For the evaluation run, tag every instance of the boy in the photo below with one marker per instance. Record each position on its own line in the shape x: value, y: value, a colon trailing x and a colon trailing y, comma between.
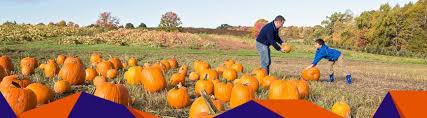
x: 333, y: 55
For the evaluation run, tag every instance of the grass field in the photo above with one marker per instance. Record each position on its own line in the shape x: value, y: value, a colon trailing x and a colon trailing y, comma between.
x: 373, y: 75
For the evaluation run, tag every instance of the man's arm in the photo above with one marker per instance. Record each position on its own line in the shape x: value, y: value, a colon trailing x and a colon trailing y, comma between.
x: 277, y: 38
x: 271, y: 39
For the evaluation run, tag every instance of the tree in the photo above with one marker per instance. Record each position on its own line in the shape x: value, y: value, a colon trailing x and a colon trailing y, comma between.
x: 129, y: 26
x: 257, y: 26
x: 142, y: 25
x: 107, y: 21
x: 170, y: 21
x: 40, y: 24
x: 61, y: 23
x: 9, y: 23
x: 224, y: 26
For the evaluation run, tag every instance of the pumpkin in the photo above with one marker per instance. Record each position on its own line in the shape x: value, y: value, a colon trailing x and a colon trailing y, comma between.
x: 220, y: 69
x: 311, y: 74
x: 286, y: 47
x: 228, y: 63
x: 176, y: 79
x: 200, y: 106
x: 194, y: 76
x: 166, y: 63
x: 153, y: 79
x: 237, y: 67
x: 28, y: 64
x: 60, y: 59
x: 73, y: 71
x: 173, y: 63
x: 229, y: 74
x: 19, y: 99
x: 222, y: 91
x: 132, y: 62
x: 99, y: 80
x: 342, y: 109
x: 103, y: 67
x: 90, y: 74
x: 43, y: 93
x: 146, y: 65
x: 2, y: 73
x: 22, y: 81
x: 117, y: 93
x: 117, y: 64
x: 215, y: 81
x: 199, y: 66
x: 209, y: 73
x: 62, y: 86
x: 178, y: 97
x: 283, y: 89
x: 112, y: 73
x: 95, y: 58
x: 259, y: 73
x: 159, y: 65
x: 302, y: 87
x: 249, y: 81
x: 204, y: 84
x: 50, y: 69
x: 183, y: 69
x: 134, y: 75
x: 124, y: 65
x: 203, y: 115
x: 42, y: 66
x: 241, y: 94
x: 267, y: 80
x: 7, y: 64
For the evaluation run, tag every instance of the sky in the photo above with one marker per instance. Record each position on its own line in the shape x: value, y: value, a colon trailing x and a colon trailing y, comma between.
x: 193, y: 13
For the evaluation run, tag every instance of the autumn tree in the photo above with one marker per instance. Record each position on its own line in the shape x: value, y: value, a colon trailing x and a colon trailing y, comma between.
x: 170, y: 21
x: 105, y: 20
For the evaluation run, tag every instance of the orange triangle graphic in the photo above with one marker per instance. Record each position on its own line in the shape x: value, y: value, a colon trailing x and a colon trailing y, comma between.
x: 58, y: 109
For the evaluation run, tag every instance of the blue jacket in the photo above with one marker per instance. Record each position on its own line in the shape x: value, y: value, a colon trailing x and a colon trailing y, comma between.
x: 327, y: 53
x: 269, y: 35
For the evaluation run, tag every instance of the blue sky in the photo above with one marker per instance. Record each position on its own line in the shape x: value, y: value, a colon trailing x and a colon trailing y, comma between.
x: 195, y: 13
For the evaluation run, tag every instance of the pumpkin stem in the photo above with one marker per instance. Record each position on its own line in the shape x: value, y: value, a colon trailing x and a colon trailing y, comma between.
x: 212, y: 108
x: 179, y: 85
x: 93, y: 91
x: 16, y: 84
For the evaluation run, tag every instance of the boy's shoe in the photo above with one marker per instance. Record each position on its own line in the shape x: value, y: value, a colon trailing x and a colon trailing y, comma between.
x: 331, y: 77
x: 348, y: 79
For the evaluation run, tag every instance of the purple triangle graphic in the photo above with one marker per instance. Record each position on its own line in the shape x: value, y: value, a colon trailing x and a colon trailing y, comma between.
x: 387, y: 109
x: 91, y: 106
x: 250, y: 109
x: 5, y: 110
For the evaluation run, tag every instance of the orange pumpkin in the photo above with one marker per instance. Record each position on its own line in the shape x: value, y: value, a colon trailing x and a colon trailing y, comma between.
x: 228, y: 63
x: 112, y: 73
x: 73, y: 71
x: 43, y: 93
x: 95, y: 58
x: 311, y: 74
x: 194, y: 76
x: 241, y: 94
x: 302, y: 86
x: 124, y: 65
x: 267, y: 80
x: 282, y: 89
x: 134, y: 75
x: 117, y: 64
x: 229, y: 74
x: 19, y: 99
x: 286, y: 47
x: 183, y: 69
x: 99, y: 80
x: 28, y: 64
x: 176, y: 79
x: 60, y: 59
x: 153, y: 79
x: 178, y: 97
x: 50, y: 69
x: 133, y: 62
x: 7, y: 64
x: 209, y: 73
x: 166, y: 63
x: 237, y: 67
x: 220, y: 69
x: 342, y: 109
x: 259, y: 73
x: 103, y: 67
x: 199, y: 66
x: 223, y: 91
x: 173, y: 63
x: 117, y: 93
x: 22, y: 81
x: 62, y: 86
x: 201, y: 106
x: 204, y: 84
x: 90, y: 74
x: 2, y: 73
x: 249, y: 81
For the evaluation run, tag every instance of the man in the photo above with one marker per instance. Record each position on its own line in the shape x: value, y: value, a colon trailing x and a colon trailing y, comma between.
x: 269, y: 35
